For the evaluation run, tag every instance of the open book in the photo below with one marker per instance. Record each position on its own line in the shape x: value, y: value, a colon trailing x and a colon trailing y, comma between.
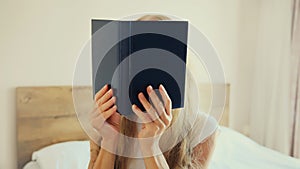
x: 130, y: 55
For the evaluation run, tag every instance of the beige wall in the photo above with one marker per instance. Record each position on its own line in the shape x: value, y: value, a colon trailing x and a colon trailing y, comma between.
x: 40, y: 40
x: 242, y: 80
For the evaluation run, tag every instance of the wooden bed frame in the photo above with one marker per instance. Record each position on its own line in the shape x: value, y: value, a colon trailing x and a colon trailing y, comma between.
x: 46, y: 115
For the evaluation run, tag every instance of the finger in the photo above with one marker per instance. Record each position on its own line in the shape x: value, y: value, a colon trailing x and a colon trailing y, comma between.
x: 105, y: 106
x: 143, y: 116
x: 151, y: 111
x: 101, y: 92
x: 156, y: 101
x: 158, y: 105
x: 105, y: 97
x: 166, y: 99
x: 105, y: 115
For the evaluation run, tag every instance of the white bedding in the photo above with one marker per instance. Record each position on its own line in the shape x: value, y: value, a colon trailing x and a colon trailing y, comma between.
x: 233, y: 151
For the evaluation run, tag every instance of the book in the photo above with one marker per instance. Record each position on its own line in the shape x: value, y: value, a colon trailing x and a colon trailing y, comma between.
x: 130, y: 55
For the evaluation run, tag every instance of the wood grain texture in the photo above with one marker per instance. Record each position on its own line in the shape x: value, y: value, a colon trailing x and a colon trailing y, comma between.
x: 46, y: 115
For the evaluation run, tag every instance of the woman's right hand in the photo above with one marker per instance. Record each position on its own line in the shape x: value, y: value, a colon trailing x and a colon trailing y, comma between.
x: 105, y: 118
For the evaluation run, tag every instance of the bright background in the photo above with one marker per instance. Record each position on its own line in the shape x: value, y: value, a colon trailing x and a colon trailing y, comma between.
x: 40, y: 41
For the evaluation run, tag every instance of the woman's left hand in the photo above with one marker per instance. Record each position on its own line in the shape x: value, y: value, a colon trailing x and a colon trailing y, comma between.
x: 158, y: 116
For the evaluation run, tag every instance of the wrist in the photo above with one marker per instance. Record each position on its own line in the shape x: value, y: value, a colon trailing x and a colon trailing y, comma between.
x: 109, y: 145
x: 150, y: 147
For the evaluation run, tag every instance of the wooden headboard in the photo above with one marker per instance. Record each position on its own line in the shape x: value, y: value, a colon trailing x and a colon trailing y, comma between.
x: 46, y: 115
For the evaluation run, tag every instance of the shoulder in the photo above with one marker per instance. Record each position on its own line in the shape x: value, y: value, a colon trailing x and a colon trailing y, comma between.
x: 204, y: 127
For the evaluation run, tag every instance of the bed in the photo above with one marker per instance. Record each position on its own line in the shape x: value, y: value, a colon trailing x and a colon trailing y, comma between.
x: 50, y: 136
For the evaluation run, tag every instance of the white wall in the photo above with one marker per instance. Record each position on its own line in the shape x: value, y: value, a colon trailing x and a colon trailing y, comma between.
x: 40, y: 40
x: 241, y: 84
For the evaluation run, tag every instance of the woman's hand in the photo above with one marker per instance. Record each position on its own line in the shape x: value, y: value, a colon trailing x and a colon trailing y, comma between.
x: 106, y: 121
x: 155, y: 121
x: 105, y: 118
x: 158, y: 117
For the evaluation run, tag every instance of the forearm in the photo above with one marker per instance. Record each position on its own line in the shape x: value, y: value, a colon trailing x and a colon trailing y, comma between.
x: 105, y: 160
x: 153, y: 161
x: 94, y: 151
x: 156, y: 162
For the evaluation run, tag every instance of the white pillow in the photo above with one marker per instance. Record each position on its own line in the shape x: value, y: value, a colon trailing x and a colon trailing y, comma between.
x: 66, y: 155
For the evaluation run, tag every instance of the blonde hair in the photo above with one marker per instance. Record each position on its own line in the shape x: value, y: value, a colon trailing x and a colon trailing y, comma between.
x: 153, y: 18
x: 181, y: 155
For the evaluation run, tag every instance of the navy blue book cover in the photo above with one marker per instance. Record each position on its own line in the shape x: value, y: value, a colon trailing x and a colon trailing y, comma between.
x: 130, y: 55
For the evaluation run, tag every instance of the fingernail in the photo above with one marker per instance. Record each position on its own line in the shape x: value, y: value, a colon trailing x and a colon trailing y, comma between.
x: 161, y: 86
x: 149, y: 88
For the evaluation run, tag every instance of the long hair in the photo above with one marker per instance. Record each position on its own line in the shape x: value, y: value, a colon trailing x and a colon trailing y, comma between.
x: 181, y: 155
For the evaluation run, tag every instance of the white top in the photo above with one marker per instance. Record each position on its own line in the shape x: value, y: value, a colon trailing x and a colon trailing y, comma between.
x: 203, y: 127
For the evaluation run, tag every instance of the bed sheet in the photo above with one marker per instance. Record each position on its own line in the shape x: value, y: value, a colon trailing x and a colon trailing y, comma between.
x: 233, y: 151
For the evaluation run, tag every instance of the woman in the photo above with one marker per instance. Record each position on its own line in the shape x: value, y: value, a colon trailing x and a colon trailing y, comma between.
x: 189, y: 152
